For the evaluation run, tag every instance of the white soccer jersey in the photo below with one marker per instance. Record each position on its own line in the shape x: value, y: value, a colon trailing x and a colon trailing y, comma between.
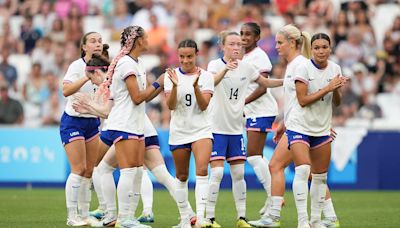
x: 149, y: 129
x: 188, y: 123
x: 227, y: 104
x: 125, y: 115
x: 290, y: 98
x: 314, y: 119
x: 265, y: 105
x: 75, y: 72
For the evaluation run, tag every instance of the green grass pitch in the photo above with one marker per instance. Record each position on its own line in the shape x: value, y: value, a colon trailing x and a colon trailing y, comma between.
x: 46, y: 208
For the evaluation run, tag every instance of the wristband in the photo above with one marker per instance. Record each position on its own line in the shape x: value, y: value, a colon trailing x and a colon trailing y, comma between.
x: 156, y: 85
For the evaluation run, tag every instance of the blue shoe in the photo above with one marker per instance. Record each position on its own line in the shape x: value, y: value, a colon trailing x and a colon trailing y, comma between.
x: 147, y: 218
x: 98, y: 213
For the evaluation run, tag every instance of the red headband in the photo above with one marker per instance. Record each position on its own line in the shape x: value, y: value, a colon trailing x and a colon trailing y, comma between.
x: 96, y: 67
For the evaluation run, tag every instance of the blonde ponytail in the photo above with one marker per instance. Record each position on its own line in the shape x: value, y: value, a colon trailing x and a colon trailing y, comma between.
x: 306, y: 44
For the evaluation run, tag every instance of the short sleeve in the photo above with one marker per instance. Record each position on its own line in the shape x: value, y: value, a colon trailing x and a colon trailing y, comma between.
x: 262, y: 64
x: 126, y: 69
x: 72, y: 74
x: 301, y: 74
x: 167, y: 83
x: 206, y: 82
x: 253, y: 73
x: 212, y: 68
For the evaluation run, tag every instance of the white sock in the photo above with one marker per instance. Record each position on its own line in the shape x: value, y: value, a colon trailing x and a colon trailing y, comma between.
x: 72, y: 187
x: 239, y: 189
x: 164, y: 177
x: 147, y: 193
x: 108, y: 186
x: 276, y: 206
x: 96, y: 177
x: 317, y: 194
x: 85, y: 196
x: 181, y: 196
x: 215, y: 180
x: 329, y: 210
x: 125, y: 192
x: 300, y: 191
x: 201, y: 192
x: 261, y: 170
x: 137, y: 185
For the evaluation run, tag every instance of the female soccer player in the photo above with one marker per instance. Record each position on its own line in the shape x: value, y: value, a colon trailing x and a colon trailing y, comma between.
x: 188, y: 92
x: 261, y: 107
x: 231, y: 79
x: 125, y: 123
x: 294, y: 46
x: 79, y: 135
x: 312, y: 91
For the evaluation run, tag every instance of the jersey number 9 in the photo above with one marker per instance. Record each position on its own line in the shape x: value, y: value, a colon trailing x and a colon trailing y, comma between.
x: 188, y: 99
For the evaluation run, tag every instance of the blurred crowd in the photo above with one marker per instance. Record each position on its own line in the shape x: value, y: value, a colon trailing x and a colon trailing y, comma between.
x: 40, y: 38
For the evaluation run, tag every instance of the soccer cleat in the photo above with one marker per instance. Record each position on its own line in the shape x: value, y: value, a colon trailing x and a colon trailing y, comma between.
x: 98, y: 213
x: 185, y: 223
x: 146, y: 218
x: 75, y: 221
x: 331, y: 222
x: 213, y: 223
x: 304, y: 224
x: 204, y: 224
x: 92, y: 221
x: 193, y: 218
x: 242, y: 223
x: 317, y: 225
x: 109, y: 220
x: 130, y: 223
x: 267, y: 221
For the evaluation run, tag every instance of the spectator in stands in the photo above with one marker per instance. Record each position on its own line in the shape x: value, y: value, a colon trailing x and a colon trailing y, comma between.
x: 57, y: 33
x: 267, y: 43
x: 29, y: 35
x: 8, y: 8
x: 53, y: 107
x: 11, y: 111
x: 44, y: 20
x: 350, y: 51
x: 8, y: 40
x: 157, y: 36
x: 74, y: 25
x: 120, y: 20
x: 9, y: 71
x: 141, y: 17
x: 340, y: 28
x: 44, y: 55
x: 34, y: 87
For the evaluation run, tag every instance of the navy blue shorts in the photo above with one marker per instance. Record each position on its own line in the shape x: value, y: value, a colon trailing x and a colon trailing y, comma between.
x: 261, y: 124
x: 182, y: 146
x: 311, y: 141
x: 152, y: 142
x: 228, y: 147
x: 111, y: 137
x: 74, y: 128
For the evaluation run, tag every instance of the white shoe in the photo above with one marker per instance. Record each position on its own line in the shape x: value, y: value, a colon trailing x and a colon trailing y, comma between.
x: 184, y: 223
x: 92, y: 221
x: 331, y: 222
x: 266, y: 221
x: 75, y: 221
x: 317, y: 225
x: 109, y: 220
x: 304, y: 224
x: 130, y: 223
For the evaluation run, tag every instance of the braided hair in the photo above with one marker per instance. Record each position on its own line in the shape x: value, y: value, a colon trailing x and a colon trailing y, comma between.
x: 128, y: 42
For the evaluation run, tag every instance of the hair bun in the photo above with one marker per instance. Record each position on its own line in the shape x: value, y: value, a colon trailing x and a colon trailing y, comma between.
x: 106, y: 47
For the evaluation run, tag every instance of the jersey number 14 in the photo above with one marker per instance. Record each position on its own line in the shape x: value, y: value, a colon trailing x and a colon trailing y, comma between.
x: 234, y: 94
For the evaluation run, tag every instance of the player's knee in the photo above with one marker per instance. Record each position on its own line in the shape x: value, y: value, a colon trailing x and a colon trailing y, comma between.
x: 237, y: 172
x: 202, y: 170
x: 275, y: 167
x: 182, y: 176
x: 216, y: 174
x: 79, y: 170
